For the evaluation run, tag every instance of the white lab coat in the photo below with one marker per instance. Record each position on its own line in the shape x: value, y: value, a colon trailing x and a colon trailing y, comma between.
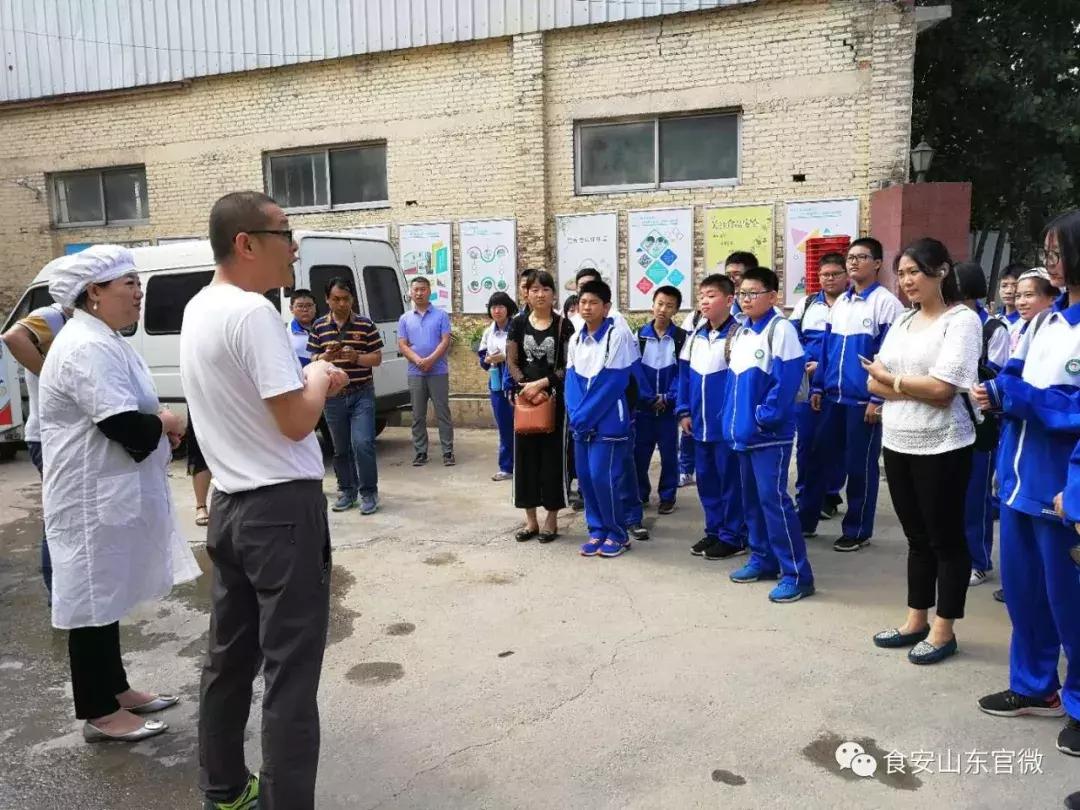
x: 109, y: 521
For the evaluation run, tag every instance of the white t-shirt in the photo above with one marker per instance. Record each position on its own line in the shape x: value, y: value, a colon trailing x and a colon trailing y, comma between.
x: 235, y: 353
x: 948, y: 349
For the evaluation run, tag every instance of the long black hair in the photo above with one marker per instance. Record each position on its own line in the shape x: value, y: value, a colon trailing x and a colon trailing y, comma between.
x: 501, y: 299
x: 1067, y: 229
x: 929, y: 256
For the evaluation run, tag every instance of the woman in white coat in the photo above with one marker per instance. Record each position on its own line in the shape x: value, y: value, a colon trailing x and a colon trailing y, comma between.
x: 108, y: 516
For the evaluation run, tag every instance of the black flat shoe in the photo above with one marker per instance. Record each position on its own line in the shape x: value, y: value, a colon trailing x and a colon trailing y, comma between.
x: 526, y: 534
x: 547, y: 537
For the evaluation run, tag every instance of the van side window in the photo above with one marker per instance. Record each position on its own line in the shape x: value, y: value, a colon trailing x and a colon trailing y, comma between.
x: 34, y: 298
x: 166, y: 297
x: 321, y: 274
x: 383, y: 294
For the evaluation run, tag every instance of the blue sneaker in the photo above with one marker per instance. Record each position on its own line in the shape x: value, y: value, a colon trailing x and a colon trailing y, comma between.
x: 369, y: 504
x: 344, y: 502
x: 613, y: 548
x: 788, y: 591
x: 752, y: 572
x: 591, y: 548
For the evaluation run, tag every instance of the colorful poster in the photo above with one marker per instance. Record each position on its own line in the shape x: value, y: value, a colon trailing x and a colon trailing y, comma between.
x: 738, y: 227
x: 659, y: 251
x: 587, y: 240
x: 425, y: 251
x: 809, y: 220
x: 371, y: 231
x: 488, y: 261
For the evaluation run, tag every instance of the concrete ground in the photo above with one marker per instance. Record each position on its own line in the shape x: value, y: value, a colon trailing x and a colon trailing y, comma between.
x: 467, y: 670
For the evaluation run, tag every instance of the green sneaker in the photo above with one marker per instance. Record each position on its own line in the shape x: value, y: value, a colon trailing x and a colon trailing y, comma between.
x: 248, y: 800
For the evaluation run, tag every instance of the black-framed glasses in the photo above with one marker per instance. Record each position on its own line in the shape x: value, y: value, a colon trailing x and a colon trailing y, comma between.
x: 858, y: 257
x: 833, y: 275
x: 751, y: 295
x: 1048, y: 256
x: 287, y: 233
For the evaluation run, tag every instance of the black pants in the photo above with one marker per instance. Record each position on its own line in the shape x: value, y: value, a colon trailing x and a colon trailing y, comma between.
x: 928, y: 494
x: 270, y: 602
x: 97, y: 673
x: 540, y: 467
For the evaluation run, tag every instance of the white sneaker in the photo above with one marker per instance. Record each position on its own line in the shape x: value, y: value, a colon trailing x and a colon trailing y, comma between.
x: 686, y: 479
x: 978, y: 577
x: 502, y: 476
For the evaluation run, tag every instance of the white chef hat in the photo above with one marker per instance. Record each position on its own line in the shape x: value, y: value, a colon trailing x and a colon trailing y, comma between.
x: 1035, y: 272
x: 98, y: 264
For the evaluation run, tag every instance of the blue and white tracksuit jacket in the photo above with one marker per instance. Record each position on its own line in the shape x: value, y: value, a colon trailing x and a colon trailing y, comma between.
x: 598, y: 371
x: 491, y: 342
x: 657, y: 377
x: 703, y: 375
x: 767, y: 366
x: 1038, y: 394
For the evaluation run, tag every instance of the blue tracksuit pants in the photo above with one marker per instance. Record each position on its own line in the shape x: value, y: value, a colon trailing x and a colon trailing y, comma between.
x: 600, y: 470
x: 687, y: 454
x: 979, y: 511
x: 776, y: 542
x: 807, y: 424
x: 845, y: 426
x: 652, y: 431
x: 503, y: 412
x: 631, y: 498
x: 1042, y: 584
x: 720, y: 490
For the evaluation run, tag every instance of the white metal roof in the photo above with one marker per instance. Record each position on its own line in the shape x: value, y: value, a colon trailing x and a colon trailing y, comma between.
x: 62, y: 47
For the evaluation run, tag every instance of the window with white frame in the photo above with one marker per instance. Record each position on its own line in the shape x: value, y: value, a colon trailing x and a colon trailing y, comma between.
x: 328, y: 178
x: 657, y: 152
x: 115, y: 196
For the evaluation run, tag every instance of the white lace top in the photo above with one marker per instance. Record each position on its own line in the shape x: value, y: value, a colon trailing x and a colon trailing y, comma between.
x: 948, y: 349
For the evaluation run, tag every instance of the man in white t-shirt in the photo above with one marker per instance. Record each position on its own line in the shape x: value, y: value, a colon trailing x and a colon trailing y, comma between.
x: 268, y: 537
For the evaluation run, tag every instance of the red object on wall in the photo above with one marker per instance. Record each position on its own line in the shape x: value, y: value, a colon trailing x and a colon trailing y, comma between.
x: 815, y: 249
x: 901, y: 214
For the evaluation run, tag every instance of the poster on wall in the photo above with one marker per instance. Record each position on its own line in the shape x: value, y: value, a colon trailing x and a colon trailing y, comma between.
x: 738, y: 227
x: 371, y: 232
x: 488, y: 261
x: 587, y: 240
x: 809, y: 220
x: 659, y: 251
x: 425, y: 251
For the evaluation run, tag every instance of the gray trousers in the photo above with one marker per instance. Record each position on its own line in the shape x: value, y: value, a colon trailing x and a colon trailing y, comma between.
x: 437, y: 389
x: 270, y: 603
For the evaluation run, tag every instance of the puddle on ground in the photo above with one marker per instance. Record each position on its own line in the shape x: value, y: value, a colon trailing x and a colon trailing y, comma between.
x: 495, y: 578
x: 400, y: 628
x: 822, y: 752
x: 727, y: 777
x: 372, y: 673
x: 341, y: 616
x: 442, y: 558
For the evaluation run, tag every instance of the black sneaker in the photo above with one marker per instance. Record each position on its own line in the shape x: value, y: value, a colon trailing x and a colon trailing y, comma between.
x: 420, y: 460
x: 698, y: 549
x: 1069, y: 739
x: 637, y: 532
x: 665, y: 508
x: 722, y: 551
x: 849, y: 544
x: 1072, y: 801
x: 999, y: 595
x: 577, y: 503
x: 828, y: 511
x: 448, y: 460
x: 1013, y: 704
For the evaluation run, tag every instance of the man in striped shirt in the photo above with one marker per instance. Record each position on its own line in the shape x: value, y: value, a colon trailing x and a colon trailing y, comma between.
x: 352, y: 343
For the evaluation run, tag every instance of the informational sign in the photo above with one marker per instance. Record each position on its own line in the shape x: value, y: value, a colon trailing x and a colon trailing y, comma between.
x: 426, y: 251
x: 587, y: 240
x: 659, y: 250
x: 809, y: 220
x: 10, y: 391
x: 739, y: 227
x: 488, y: 261
x: 371, y: 232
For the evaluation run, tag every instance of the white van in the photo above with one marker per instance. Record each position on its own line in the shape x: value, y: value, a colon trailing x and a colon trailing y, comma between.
x: 172, y: 274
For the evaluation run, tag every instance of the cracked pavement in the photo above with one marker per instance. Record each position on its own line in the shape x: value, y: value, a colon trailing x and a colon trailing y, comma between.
x: 467, y: 670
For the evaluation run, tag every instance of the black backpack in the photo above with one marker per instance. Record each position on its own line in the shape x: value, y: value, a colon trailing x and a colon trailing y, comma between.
x: 988, y: 431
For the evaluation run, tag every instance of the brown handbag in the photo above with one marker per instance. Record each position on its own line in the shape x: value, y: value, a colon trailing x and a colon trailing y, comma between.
x: 538, y: 417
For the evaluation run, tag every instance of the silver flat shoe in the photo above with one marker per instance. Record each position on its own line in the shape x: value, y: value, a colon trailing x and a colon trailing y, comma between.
x: 155, y: 705
x: 151, y: 728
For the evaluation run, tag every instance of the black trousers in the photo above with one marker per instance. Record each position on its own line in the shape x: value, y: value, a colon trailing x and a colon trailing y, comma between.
x: 928, y: 494
x: 97, y: 673
x: 541, y: 475
x: 270, y: 603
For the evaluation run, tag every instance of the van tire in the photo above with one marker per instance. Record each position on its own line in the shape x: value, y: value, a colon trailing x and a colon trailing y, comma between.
x: 380, y: 425
x: 8, y: 451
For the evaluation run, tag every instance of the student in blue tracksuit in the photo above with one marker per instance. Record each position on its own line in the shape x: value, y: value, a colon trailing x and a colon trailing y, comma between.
x: 1038, y: 395
x: 1007, y: 282
x: 766, y: 370
x: 702, y: 382
x: 735, y: 266
x: 811, y: 316
x: 850, y: 417
x: 655, y: 423
x: 601, y: 362
x: 492, y: 352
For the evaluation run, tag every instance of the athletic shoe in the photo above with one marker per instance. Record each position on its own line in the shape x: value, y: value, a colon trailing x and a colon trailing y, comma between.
x: 978, y: 577
x: 248, y: 800
x: 369, y: 504
x: 999, y: 595
x: 686, y: 479
x: 1013, y: 704
x: 502, y: 476
x: 448, y: 460
x: 788, y: 591
x: 722, y: 551
x: 638, y: 532
x: 591, y: 548
x: 665, y: 508
x: 577, y: 503
x: 344, y: 502
x: 752, y: 573
x: 1072, y: 801
x: 612, y: 548
x: 1068, y: 741
x: 698, y: 549
x: 926, y: 653
x: 849, y: 544
x: 420, y: 460
x: 828, y: 511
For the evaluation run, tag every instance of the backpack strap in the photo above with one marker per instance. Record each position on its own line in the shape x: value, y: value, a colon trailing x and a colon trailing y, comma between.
x: 991, y: 326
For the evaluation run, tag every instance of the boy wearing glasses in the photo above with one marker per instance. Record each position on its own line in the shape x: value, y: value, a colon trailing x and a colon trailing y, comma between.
x: 850, y: 417
x: 766, y: 368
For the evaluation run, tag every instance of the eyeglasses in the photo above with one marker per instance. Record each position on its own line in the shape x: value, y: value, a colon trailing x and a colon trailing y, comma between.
x: 832, y: 275
x: 858, y: 257
x: 1048, y: 256
x: 751, y: 295
x: 286, y: 233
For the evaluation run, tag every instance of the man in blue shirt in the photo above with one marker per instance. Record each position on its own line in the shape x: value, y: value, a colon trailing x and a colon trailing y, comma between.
x: 302, y: 307
x: 424, y: 340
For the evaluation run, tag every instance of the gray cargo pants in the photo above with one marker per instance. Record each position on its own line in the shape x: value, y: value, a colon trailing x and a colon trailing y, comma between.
x: 435, y: 387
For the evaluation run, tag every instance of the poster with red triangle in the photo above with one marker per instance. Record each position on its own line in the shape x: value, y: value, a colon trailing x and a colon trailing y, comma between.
x: 809, y: 220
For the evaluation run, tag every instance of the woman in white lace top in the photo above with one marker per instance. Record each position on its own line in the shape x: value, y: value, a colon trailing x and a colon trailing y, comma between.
x: 928, y: 361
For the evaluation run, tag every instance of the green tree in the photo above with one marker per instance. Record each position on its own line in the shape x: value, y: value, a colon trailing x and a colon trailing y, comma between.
x: 997, y: 94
